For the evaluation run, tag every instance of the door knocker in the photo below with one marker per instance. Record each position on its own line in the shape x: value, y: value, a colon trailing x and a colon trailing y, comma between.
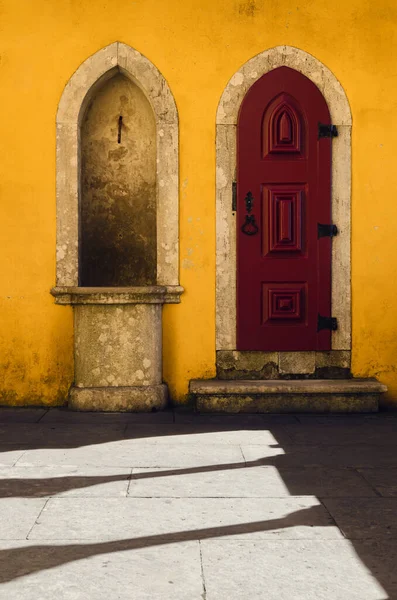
x: 249, y: 226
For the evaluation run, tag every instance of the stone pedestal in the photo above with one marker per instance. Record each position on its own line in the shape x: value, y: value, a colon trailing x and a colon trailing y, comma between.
x: 118, y: 346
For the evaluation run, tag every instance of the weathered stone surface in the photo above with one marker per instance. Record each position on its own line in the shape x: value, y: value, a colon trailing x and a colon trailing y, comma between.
x: 234, y: 364
x: 339, y: 434
x: 280, y: 403
x: 252, y: 482
x: 64, y: 416
x: 121, y: 569
x: 310, y: 395
x: 10, y: 454
x: 117, y: 345
x: 297, y: 363
x: 144, y: 455
x: 365, y: 518
x: 118, y: 187
x: 231, y: 364
x: 21, y: 415
x: 210, y: 435
x: 354, y: 456
x: 225, y: 239
x: 148, y: 294
x: 59, y: 434
x: 384, y: 481
x: 279, y: 532
x: 298, y: 570
x: 295, y: 386
x: 247, y: 518
x: 296, y: 59
x: 167, y: 204
x: 334, y: 364
x: 142, y: 398
x: 67, y: 204
x: 43, y: 482
x: 96, y: 71
x: 233, y: 421
x: 17, y: 517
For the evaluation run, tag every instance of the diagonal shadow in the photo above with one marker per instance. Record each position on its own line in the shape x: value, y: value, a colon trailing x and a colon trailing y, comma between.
x: 22, y: 561
x: 51, y: 486
x: 17, y: 562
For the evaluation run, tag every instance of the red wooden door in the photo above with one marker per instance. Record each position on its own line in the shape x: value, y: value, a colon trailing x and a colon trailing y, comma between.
x: 283, y: 193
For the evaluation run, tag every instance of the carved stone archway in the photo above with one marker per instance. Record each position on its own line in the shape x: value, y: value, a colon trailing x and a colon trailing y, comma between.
x: 125, y: 372
x: 77, y: 94
x: 226, y: 123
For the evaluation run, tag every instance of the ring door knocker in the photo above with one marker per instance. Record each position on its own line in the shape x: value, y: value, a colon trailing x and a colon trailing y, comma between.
x: 249, y: 226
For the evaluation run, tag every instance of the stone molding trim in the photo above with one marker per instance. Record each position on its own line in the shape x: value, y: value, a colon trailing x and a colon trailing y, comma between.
x: 226, y: 124
x: 76, y: 96
x: 126, y: 295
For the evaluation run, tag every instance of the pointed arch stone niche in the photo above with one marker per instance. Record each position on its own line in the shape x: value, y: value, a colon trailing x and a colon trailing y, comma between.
x: 117, y: 227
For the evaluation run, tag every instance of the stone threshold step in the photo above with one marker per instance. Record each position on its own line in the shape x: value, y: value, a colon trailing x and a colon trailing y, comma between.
x: 282, y: 396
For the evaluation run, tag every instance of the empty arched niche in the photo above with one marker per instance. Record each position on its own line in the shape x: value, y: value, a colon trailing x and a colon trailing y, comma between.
x: 117, y: 178
x: 117, y: 235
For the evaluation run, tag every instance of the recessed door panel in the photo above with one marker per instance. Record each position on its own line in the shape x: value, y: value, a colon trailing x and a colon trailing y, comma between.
x: 283, y: 220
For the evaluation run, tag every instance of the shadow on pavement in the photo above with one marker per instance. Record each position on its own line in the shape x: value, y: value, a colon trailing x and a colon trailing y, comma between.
x: 334, y: 453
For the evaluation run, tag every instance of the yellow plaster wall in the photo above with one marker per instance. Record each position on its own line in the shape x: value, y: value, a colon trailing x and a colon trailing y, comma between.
x: 197, y: 45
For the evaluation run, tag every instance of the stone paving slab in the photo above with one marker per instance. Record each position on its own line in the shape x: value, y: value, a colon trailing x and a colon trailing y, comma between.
x: 207, y: 435
x: 122, y: 454
x: 268, y: 521
x: 17, y: 516
x: 43, y: 482
x: 328, y: 456
x: 375, y: 420
x: 60, y: 435
x: 100, y: 571
x: 21, y: 415
x: 239, y: 420
x: 290, y: 570
x: 10, y: 454
x: 69, y: 416
x: 185, y: 519
x: 342, y: 434
x: 250, y: 482
x: 365, y: 517
x: 384, y: 481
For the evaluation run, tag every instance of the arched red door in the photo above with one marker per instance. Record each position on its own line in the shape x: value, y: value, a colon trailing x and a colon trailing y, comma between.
x: 283, y: 199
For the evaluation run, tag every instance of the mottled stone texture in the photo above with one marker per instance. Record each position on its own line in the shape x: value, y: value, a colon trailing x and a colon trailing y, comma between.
x: 120, y: 399
x: 93, y: 76
x: 118, y: 188
x: 278, y: 396
x: 234, y: 364
x: 117, y: 345
x: 291, y: 403
x: 246, y: 365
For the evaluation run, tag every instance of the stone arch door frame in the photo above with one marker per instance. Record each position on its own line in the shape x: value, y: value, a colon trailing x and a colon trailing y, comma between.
x: 81, y: 87
x: 226, y: 124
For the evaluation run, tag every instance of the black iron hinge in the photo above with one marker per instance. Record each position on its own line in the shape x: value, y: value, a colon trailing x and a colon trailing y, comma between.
x: 326, y: 230
x: 326, y: 323
x: 327, y: 131
x: 234, y: 196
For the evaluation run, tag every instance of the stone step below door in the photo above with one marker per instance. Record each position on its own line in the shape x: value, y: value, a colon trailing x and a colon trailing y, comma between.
x: 284, y: 396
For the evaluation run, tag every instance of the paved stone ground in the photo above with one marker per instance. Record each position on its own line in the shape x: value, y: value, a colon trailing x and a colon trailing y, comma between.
x: 193, y: 507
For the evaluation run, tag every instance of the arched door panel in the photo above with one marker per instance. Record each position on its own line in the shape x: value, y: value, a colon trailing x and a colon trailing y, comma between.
x: 284, y: 192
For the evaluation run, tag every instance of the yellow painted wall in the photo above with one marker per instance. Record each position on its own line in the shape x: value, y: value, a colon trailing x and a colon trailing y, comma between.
x: 197, y: 45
